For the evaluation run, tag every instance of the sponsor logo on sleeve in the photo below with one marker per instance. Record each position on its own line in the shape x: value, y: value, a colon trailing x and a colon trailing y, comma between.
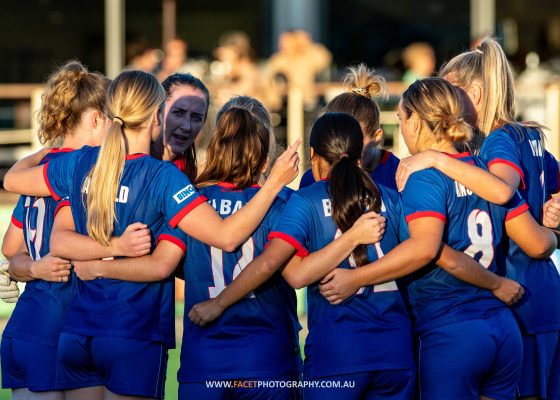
x: 184, y: 194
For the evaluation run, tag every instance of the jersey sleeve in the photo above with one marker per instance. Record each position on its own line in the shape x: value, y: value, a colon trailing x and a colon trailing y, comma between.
x: 425, y: 195
x: 175, y: 236
x: 17, y: 215
x: 58, y: 174
x: 293, y: 225
x: 551, y: 174
x: 65, y: 202
x: 174, y: 194
x: 500, y: 148
x: 516, y: 206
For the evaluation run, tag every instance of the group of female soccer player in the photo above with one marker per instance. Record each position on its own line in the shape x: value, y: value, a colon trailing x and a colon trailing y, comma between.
x: 442, y: 291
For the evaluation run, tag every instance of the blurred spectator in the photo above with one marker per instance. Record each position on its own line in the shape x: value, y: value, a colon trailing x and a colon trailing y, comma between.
x: 299, y: 60
x: 176, y: 59
x: 141, y: 55
x: 235, y: 71
x: 531, y: 88
x: 420, y: 60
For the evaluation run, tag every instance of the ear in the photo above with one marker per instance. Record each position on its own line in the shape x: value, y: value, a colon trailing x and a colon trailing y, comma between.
x: 475, y: 93
x: 312, y: 155
x: 377, y: 136
x: 97, y: 118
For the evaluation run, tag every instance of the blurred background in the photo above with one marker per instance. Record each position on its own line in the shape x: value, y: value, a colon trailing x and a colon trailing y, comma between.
x: 290, y: 54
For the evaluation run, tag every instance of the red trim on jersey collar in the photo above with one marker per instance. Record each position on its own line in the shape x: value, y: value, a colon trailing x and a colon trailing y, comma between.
x: 459, y: 155
x: 17, y: 222
x: 229, y: 185
x: 385, y: 157
x: 61, y: 150
x: 135, y: 156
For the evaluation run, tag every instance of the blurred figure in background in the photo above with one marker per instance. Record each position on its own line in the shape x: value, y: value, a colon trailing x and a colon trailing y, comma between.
x: 235, y: 72
x: 299, y: 60
x: 141, y: 55
x: 420, y: 60
x: 176, y: 60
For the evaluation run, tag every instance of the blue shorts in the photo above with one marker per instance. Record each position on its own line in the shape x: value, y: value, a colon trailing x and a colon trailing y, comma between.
x: 540, y: 374
x: 125, y: 366
x: 395, y: 384
x: 28, y: 364
x: 469, y: 359
x: 242, y: 389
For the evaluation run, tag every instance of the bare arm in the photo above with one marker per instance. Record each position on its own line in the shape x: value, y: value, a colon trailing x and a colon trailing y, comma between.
x: 535, y: 240
x: 13, y: 239
x: 301, y: 272
x: 498, y: 185
x: 465, y: 268
x: 48, y: 268
x: 368, y: 229
x: 26, y: 177
x: 204, y: 224
x: 149, y: 268
x: 66, y: 243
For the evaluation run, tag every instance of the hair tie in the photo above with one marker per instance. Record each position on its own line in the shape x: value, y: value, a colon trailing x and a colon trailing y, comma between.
x: 361, y: 91
x: 343, y: 155
x: 118, y: 120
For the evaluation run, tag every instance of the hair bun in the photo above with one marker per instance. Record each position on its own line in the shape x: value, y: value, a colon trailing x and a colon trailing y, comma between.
x: 364, y: 82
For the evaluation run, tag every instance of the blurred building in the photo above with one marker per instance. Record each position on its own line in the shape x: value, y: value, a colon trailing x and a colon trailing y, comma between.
x: 37, y: 34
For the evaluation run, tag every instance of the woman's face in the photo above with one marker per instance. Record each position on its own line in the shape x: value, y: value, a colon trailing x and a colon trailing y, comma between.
x: 184, y: 116
x: 408, y: 129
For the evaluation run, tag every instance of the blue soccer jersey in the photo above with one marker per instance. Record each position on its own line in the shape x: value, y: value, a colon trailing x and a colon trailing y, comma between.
x: 17, y: 214
x: 257, y: 337
x: 40, y: 310
x: 522, y: 149
x: 151, y: 192
x: 371, y: 330
x: 472, y: 225
x: 384, y: 174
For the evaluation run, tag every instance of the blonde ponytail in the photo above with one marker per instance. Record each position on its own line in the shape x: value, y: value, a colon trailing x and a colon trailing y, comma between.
x: 132, y: 99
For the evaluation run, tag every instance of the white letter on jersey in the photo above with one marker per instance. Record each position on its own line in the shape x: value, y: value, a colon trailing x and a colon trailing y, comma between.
x: 123, y: 195
x: 536, y: 147
x: 225, y: 207
x: 327, y: 207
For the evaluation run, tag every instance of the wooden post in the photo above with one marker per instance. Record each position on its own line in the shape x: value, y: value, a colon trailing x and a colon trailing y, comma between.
x: 552, y: 115
x: 296, y: 127
x: 114, y: 37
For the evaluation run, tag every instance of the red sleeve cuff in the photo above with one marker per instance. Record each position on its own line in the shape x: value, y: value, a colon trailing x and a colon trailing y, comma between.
x: 188, y: 208
x: 17, y: 222
x: 54, y: 195
x: 175, y: 240
x: 424, y: 214
x: 385, y: 157
x: 65, y: 203
x: 512, y: 165
x: 301, y: 251
x: 517, y: 211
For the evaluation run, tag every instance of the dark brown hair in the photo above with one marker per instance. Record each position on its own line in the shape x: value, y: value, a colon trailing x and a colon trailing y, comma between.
x: 238, y: 149
x: 338, y: 138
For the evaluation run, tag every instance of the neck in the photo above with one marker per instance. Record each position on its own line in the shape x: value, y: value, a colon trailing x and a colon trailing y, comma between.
x: 444, y: 147
x: 76, y: 139
x: 139, y: 141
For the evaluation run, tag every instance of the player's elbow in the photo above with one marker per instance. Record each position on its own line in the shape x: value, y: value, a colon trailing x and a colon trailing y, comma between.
x: 543, y: 248
x: 503, y: 195
x: 9, y: 182
x: 427, y: 253
x: 295, y: 280
x: 8, y: 251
